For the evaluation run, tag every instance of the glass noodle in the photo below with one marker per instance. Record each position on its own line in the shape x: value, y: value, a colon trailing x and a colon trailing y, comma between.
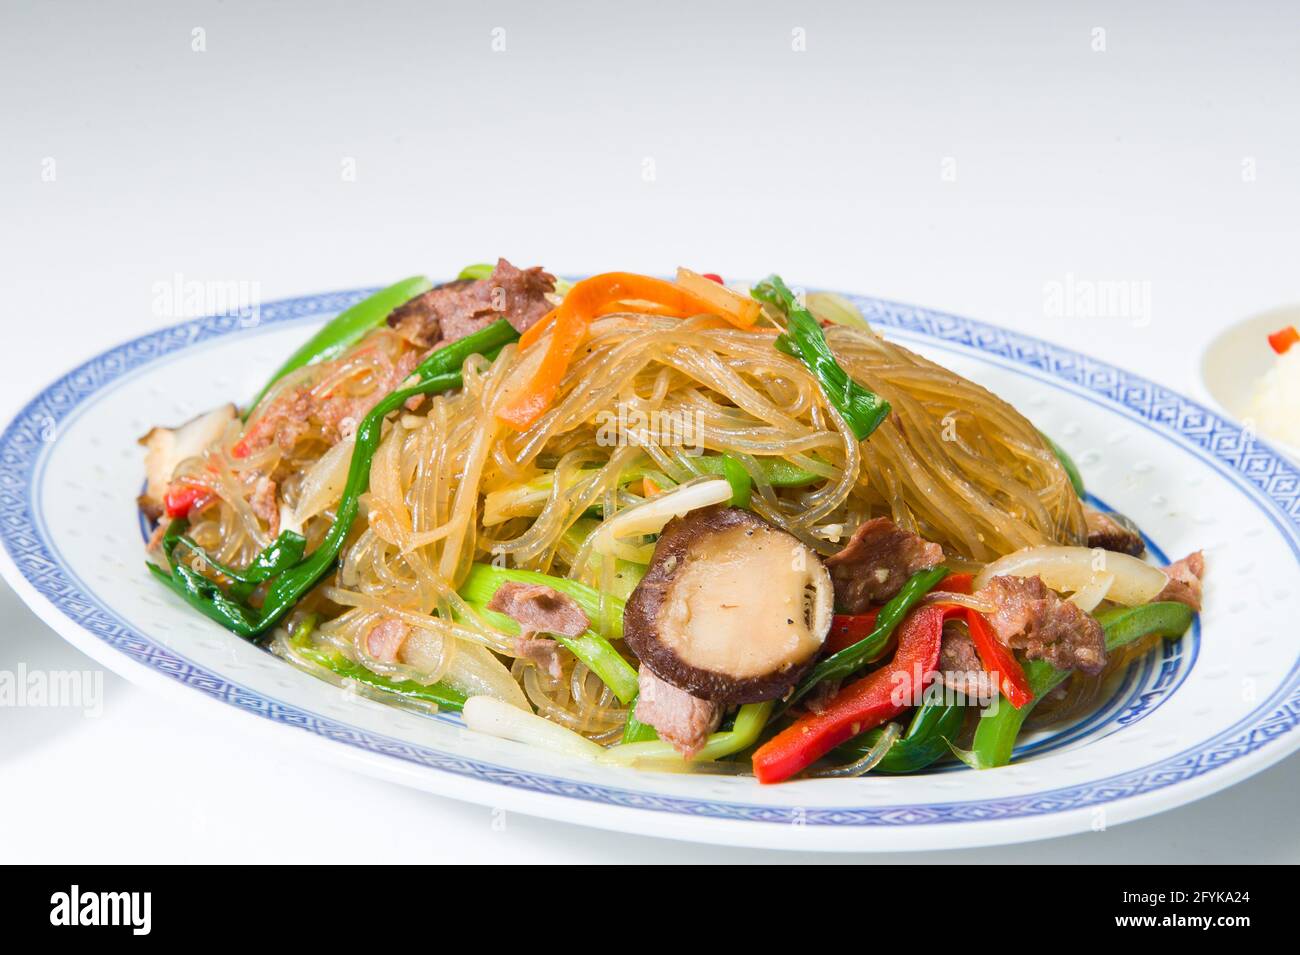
x: 646, y: 394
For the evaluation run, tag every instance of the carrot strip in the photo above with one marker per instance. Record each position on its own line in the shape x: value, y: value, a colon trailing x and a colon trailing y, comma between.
x: 569, y: 322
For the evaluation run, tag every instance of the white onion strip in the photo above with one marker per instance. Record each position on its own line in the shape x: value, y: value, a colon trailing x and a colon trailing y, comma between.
x: 651, y: 516
x: 1073, y: 569
x: 1092, y: 593
x: 495, y: 718
x: 323, y: 484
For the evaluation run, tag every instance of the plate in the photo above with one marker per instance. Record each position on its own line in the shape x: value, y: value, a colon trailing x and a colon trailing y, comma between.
x: 1237, y: 358
x: 1198, y: 715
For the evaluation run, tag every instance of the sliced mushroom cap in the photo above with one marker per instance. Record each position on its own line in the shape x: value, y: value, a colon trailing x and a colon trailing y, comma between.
x: 732, y: 609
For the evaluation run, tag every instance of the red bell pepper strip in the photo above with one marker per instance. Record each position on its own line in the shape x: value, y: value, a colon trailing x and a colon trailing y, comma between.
x: 861, y: 705
x: 956, y: 583
x: 1281, y: 341
x: 999, y: 662
x: 183, y: 498
x: 714, y: 277
x: 847, y: 629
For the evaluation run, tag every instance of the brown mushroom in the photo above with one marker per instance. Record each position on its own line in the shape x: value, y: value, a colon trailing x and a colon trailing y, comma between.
x: 732, y: 609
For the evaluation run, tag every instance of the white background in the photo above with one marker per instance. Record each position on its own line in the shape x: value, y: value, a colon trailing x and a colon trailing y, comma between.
x: 957, y: 156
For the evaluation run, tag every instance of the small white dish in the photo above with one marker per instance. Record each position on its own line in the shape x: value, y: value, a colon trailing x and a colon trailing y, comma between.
x: 1235, y: 361
x: 1196, y: 716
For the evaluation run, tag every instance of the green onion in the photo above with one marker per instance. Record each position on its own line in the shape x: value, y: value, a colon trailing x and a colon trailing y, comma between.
x: 484, y: 579
x: 282, y: 553
x: 778, y: 471
x: 634, y: 731
x: 933, y: 725
x: 476, y: 272
x: 439, y: 694
x: 860, y: 407
x: 750, y: 720
x: 591, y: 648
x: 742, y: 485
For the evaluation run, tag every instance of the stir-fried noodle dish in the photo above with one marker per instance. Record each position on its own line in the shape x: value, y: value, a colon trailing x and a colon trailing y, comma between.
x: 670, y: 525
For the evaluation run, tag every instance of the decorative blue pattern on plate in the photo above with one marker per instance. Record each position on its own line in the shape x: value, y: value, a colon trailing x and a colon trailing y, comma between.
x: 1272, y: 482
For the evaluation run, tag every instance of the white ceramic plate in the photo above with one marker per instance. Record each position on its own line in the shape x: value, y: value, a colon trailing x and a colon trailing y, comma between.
x: 1203, y: 713
x: 1237, y: 359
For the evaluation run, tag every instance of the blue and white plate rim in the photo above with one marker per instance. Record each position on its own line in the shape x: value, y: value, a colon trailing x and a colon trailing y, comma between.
x: 1257, y: 740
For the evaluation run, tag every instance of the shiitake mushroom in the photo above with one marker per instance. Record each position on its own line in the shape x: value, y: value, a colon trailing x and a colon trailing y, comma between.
x: 731, y: 609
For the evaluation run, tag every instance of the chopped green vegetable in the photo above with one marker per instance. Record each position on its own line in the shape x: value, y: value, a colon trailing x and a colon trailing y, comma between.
x: 591, y: 648
x: 860, y: 407
x: 346, y: 329
x: 634, y: 731
x: 283, y: 552
x: 778, y: 471
x: 484, y: 579
x: 852, y: 658
x: 750, y: 720
x: 440, y: 694
x: 476, y: 272
x: 742, y: 485
x: 996, y: 732
x: 933, y: 725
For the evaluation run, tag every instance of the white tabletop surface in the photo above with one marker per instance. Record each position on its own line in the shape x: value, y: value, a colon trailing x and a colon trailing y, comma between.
x: 945, y: 155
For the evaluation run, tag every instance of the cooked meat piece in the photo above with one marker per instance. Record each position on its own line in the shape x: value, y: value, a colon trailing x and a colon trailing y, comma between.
x: 539, y: 609
x: 542, y: 652
x: 731, y: 609
x: 1185, y: 581
x: 341, y: 414
x: 168, y: 447
x: 1112, y: 531
x: 385, y: 639
x: 284, y: 421
x: 289, y: 416
x: 820, y: 696
x: 265, y: 505
x: 683, y: 720
x: 876, y: 562
x: 452, y: 311
x: 1028, y: 616
x: 960, y: 665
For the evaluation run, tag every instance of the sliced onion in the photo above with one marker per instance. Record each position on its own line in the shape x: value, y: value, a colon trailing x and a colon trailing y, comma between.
x: 830, y: 307
x: 1087, y: 598
x: 324, y: 481
x: 489, y: 715
x: 868, y: 761
x: 1072, y: 569
x: 651, y: 516
x: 474, y: 671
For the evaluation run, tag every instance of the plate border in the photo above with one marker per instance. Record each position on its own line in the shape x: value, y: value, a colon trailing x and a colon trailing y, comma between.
x: 1270, y: 480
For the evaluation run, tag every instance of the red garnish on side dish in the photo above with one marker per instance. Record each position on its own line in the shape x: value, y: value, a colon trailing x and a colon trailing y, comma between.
x: 1284, y: 339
